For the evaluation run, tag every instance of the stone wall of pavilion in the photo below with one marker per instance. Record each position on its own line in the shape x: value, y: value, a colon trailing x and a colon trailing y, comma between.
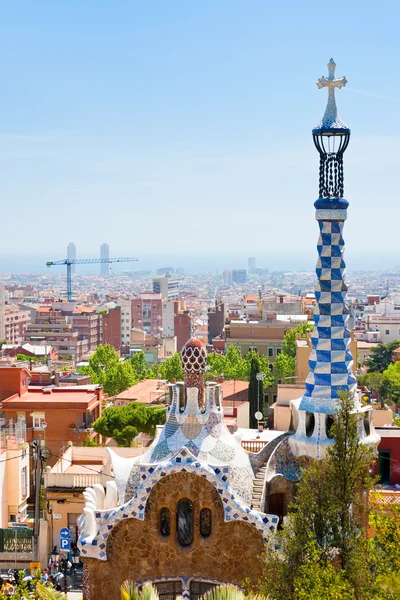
x: 136, y: 550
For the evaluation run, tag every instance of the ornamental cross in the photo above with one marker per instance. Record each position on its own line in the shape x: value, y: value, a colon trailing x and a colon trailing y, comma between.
x: 331, y: 82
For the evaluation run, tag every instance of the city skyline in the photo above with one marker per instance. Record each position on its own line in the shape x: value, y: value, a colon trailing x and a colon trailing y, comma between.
x: 200, y: 120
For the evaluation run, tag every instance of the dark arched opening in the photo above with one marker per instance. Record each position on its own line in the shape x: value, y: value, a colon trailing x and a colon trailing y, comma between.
x: 184, y: 522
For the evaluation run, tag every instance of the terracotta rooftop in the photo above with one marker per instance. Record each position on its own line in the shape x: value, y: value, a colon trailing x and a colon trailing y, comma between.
x: 79, y: 397
x: 147, y: 391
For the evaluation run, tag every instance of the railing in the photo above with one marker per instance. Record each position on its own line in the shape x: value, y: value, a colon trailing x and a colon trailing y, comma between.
x: 16, y: 540
x: 73, y: 480
x: 253, y: 445
x: 384, y: 497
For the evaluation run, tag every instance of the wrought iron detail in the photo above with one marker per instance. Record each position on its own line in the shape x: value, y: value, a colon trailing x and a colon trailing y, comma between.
x: 331, y: 179
x: 331, y: 138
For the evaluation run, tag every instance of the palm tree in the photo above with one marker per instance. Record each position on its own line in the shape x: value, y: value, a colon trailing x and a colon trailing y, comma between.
x: 230, y: 592
x: 129, y: 591
x: 47, y: 593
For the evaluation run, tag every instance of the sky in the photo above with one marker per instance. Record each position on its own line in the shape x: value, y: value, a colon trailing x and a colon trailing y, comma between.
x: 181, y: 129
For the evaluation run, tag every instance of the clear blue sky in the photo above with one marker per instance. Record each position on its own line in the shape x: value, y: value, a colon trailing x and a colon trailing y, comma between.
x: 185, y: 125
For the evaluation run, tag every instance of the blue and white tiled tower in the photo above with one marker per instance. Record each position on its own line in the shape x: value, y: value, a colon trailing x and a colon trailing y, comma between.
x: 330, y: 359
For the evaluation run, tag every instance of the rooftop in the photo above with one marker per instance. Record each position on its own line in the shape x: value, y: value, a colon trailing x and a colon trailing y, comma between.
x: 83, y: 397
x: 148, y: 391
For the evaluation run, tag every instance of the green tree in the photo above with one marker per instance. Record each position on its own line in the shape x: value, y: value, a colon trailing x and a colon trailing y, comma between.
x: 381, y: 356
x: 385, y: 547
x: 89, y: 442
x: 284, y: 368
x: 171, y: 368
x: 106, y: 368
x: 290, y: 337
x: 391, y: 382
x: 325, y: 521
x: 124, y: 423
x: 140, y: 366
x: 118, y: 378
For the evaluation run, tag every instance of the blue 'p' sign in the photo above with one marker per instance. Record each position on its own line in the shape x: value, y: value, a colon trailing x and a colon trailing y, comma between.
x: 65, y: 544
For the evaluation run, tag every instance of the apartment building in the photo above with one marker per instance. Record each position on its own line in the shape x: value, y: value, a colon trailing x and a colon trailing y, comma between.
x: 216, y: 320
x: 65, y: 482
x: 53, y: 328
x: 239, y: 276
x: 147, y: 313
x: 266, y: 337
x: 58, y: 415
x: 167, y: 286
x: 112, y: 327
x: 15, y: 322
x: 88, y: 324
x: 14, y: 472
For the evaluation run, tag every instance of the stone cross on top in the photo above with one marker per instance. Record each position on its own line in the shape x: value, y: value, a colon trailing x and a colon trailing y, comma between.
x: 330, y: 119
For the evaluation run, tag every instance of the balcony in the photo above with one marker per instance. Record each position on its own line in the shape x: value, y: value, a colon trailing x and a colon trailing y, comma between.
x: 73, y: 480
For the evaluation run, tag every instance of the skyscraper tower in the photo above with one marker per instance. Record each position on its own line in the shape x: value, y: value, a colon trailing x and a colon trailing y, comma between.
x: 71, y: 254
x: 104, y: 253
x: 330, y: 359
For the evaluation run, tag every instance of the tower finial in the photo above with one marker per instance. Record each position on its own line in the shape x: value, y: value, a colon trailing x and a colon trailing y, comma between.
x: 331, y: 122
x: 331, y: 138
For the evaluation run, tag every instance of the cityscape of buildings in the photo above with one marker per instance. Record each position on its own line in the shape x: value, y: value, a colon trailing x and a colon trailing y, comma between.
x: 158, y: 425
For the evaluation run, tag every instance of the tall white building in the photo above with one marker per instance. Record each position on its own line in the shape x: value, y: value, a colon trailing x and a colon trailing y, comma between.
x: 227, y: 276
x: 126, y: 320
x: 167, y: 286
x: 251, y: 263
x: 71, y: 254
x: 104, y: 253
x: 168, y: 315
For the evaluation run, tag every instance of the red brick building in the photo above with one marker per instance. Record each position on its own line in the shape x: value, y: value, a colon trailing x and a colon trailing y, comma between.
x: 147, y: 313
x: 58, y: 415
x: 112, y: 327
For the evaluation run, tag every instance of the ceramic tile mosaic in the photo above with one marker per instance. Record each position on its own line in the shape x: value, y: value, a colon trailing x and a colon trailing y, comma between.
x: 330, y: 359
x: 193, y: 440
x: 184, y: 462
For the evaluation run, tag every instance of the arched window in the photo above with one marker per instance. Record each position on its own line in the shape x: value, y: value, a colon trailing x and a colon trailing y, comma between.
x: 184, y: 522
x: 205, y: 522
x: 165, y: 521
x: 310, y: 424
x: 328, y: 426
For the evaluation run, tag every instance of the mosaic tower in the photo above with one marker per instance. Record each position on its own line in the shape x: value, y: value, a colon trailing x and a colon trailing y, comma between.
x: 330, y: 359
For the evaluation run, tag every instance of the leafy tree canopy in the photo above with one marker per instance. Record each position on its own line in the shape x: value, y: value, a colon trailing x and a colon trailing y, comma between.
x: 381, y: 356
x: 289, y: 340
x: 124, y: 423
x: 325, y: 524
x: 171, y: 368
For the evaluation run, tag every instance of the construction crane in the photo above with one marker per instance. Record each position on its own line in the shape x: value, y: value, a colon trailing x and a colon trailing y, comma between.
x: 83, y: 261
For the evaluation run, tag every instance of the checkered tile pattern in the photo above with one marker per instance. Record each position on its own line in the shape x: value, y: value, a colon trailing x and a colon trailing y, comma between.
x: 330, y: 359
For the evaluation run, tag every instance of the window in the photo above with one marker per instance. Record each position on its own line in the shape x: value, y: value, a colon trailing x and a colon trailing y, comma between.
x: 387, y: 331
x: 310, y: 424
x: 165, y: 521
x: 250, y: 333
x: 24, y: 483
x: 278, y: 351
x: 205, y: 522
x: 328, y: 426
x: 270, y: 351
x: 184, y: 522
x: 38, y: 420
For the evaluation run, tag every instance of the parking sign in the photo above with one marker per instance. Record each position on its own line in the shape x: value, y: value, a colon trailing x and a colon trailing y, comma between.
x: 65, y: 544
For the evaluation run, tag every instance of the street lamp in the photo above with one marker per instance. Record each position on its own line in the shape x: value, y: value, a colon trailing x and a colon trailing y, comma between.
x: 76, y: 559
x: 259, y: 415
x: 65, y: 567
x: 54, y: 555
